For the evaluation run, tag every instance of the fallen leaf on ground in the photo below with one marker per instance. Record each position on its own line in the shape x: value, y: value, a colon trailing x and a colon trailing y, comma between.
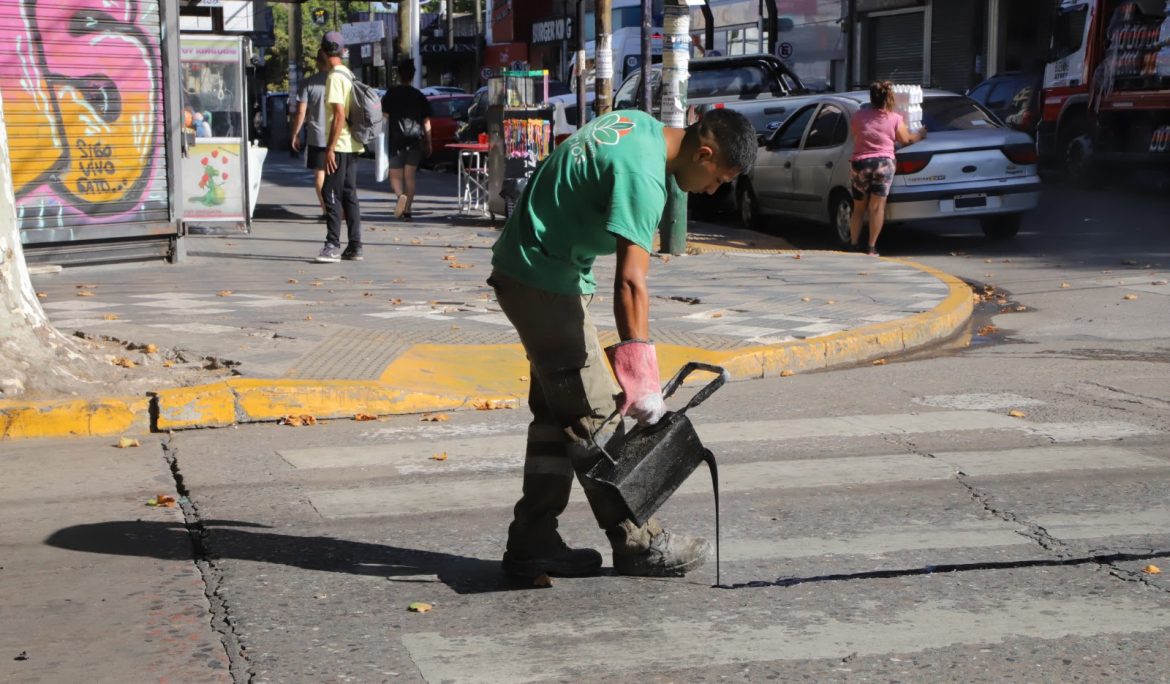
x: 123, y: 362
x: 1160, y: 282
x: 434, y: 417
x: 441, y: 456
x: 830, y: 301
x: 162, y: 501
x: 1017, y: 413
x: 367, y: 294
x: 806, y: 299
x: 126, y: 443
x: 1064, y: 286
x: 666, y: 258
x: 168, y: 364
x: 416, y: 242
x: 397, y: 281
x: 316, y: 283
x: 84, y: 293
x: 110, y: 317
x: 1021, y: 307
x: 448, y: 257
x: 293, y: 281
x: 716, y: 315
x: 41, y: 295
x: 86, y: 286
x: 396, y: 300
x: 320, y: 596
x: 797, y: 256
x: 224, y: 293
x: 288, y: 295
x: 542, y: 581
x: 419, y: 607
x: 364, y: 416
x: 986, y: 330
x: 492, y: 404
x: 1130, y: 297
x: 298, y: 421
x: 151, y: 349
x: 456, y: 264
x: 523, y: 378
x: 879, y: 362
x: 309, y: 317
x: 787, y: 373
x: 1152, y: 570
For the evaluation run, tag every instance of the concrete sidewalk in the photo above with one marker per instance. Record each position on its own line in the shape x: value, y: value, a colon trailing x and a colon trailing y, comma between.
x: 415, y: 328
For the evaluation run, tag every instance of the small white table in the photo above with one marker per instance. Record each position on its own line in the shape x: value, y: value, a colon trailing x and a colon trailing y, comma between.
x: 472, y: 178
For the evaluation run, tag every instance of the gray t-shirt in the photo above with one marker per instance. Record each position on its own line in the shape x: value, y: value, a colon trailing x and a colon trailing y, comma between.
x: 313, y: 94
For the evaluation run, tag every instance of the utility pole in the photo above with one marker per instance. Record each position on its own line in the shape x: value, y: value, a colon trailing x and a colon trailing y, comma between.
x: 415, y: 47
x: 676, y: 56
x: 296, y: 49
x: 582, y: 77
x: 404, y: 9
x: 647, y: 99
x: 479, y: 41
x: 451, y: 26
x: 603, y: 57
x: 850, y: 44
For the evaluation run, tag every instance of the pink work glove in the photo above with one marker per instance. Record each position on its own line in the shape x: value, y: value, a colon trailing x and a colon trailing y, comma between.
x: 635, y: 365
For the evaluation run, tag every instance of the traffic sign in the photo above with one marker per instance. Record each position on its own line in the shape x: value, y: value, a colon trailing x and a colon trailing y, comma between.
x: 787, y: 50
x: 320, y: 16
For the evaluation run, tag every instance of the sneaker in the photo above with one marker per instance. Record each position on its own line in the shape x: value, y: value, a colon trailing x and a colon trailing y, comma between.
x: 400, y: 208
x: 560, y: 561
x: 872, y: 251
x: 669, y: 555
x: 352, y: 253
x: 329, y: 255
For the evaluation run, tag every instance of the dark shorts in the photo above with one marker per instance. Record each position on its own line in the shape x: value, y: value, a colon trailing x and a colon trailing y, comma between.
x: 315, y: 158
x: 408, y: 154
x: 872, y: 177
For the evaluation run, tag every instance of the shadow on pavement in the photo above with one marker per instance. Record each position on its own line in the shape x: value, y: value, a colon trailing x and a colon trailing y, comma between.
x: 220, y: 539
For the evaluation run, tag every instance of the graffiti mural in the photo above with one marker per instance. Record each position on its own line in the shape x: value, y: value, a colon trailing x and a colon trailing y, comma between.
x: 82, y: 91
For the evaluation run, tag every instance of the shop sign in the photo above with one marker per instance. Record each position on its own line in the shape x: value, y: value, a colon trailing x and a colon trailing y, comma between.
x: 552, y: 30
x: 438, y: 46
x: 883, y: 5
x: 363, y: 32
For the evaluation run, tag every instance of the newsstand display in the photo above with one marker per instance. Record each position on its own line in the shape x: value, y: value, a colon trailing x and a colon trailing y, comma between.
x: 519, y: 128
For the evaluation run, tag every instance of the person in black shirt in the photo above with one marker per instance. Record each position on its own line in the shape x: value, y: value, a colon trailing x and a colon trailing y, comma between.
x: 408, y: 139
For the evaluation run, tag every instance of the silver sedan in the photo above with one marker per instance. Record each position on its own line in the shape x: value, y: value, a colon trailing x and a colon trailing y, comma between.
x: 970, y: 166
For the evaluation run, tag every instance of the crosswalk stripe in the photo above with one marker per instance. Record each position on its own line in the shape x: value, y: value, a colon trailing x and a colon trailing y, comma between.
x: 436, y: 497
x: 480, y: 452
x: 614, y: 645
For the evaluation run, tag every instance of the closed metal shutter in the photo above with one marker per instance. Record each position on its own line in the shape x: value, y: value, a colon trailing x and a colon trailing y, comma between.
x: 895, y: 47
x: 83, y: 89
x: 956, y: 37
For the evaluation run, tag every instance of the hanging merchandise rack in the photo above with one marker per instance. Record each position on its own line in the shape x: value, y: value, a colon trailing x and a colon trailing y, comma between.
x: 519, y: 124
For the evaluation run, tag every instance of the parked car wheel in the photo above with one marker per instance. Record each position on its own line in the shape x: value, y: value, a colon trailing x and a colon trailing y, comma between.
x: 1078, y: 160
x: 1002, y: 227
x: 749, y: 206
x: 840, y: 214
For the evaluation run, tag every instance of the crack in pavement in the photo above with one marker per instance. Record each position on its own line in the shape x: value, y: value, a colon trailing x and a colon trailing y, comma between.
x: 221, y: 620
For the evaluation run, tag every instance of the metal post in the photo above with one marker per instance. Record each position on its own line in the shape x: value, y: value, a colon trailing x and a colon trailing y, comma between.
x: 676, y: 52
x: 708, y: 27
x: 850, y: 44
x: 603, y: 57
x: 773, y: 25
x: 582, y: 77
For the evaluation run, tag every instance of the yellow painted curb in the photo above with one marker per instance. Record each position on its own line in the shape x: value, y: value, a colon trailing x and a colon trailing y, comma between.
x: 436, y: 377
x: 74, y: 418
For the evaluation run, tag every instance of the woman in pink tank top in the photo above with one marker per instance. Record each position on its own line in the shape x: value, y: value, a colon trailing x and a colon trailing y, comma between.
x: 876, y: 128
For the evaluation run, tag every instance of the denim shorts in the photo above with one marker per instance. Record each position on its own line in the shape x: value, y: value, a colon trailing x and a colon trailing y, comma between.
x: 872, y: 176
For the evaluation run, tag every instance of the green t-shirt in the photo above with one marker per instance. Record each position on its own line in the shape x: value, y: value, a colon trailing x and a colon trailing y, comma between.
x: 608, y: 179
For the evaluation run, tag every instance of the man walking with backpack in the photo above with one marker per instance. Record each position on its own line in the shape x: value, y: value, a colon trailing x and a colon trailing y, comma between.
x: 409, y: 137
x: 341, y: 155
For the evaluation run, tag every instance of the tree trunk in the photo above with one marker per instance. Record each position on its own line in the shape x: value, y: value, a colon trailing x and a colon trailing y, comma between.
x: 33, y: 354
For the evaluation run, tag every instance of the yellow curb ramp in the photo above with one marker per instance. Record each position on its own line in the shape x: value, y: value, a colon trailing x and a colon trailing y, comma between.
x: 449, y: 377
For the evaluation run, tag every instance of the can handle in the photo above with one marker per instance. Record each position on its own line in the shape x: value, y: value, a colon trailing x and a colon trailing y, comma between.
x: 700, y: 396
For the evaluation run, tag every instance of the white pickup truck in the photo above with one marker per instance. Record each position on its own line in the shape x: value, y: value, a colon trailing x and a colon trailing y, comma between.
x: 759, y: 86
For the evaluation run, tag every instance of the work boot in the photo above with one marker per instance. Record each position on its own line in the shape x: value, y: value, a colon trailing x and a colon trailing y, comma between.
x: 554, y: 561
x: 666, y: 555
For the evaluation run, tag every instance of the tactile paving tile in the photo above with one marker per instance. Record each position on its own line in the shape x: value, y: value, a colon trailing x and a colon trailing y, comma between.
x: 350, y: 354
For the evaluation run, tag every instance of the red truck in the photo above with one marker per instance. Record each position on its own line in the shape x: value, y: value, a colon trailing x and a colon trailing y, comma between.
x: 1106, y: 89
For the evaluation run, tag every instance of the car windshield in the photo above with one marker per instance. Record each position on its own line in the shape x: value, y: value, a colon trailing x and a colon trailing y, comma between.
x: 955, y: 114
x: 739, y: 82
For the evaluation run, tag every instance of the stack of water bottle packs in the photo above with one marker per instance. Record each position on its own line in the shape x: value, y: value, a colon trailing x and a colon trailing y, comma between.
x: 908, y: 103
